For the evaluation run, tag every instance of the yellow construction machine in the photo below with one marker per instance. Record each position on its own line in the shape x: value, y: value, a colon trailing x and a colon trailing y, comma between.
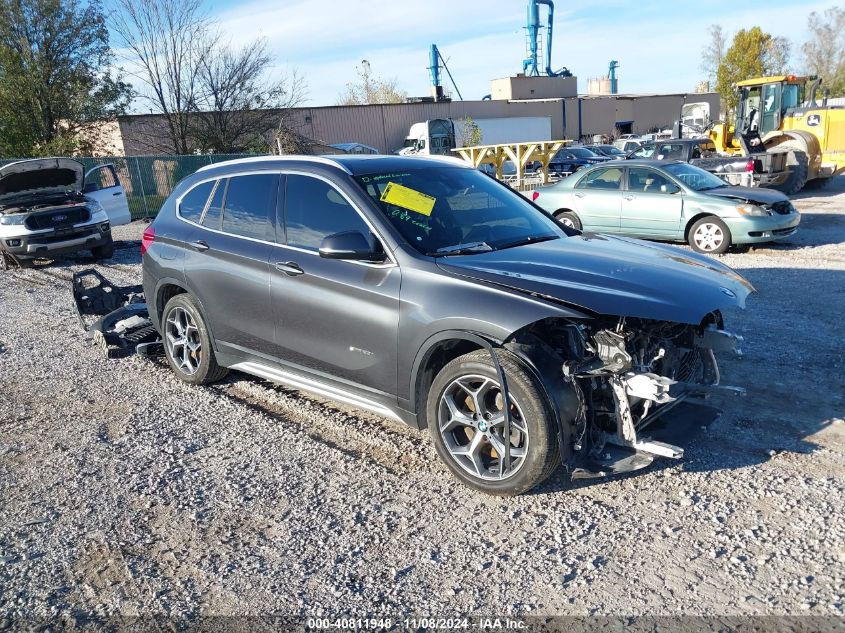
x: 784, y: 114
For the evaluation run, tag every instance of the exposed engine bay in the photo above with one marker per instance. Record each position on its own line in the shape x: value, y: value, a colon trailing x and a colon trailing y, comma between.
x: 625, y: 374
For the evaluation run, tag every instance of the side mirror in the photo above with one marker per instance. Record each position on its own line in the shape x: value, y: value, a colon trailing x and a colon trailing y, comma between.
x: 350, y: 245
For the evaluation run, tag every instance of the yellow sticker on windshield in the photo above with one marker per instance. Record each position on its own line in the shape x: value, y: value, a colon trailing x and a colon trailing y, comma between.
x: 408, y: 198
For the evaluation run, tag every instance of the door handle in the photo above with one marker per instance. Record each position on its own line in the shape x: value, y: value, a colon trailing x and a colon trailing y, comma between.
x: 199, y: 245
x: 579, y: 194
x: 117, y: 193
x: 630, y: 197
x: 291, y: 269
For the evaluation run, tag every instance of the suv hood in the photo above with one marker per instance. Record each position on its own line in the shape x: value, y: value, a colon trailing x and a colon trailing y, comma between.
x: 759, y: 195
x: 612, y: 276
x: 47, y: 176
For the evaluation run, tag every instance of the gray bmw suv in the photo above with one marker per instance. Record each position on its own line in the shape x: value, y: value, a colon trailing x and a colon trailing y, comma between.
x: 425, y: 291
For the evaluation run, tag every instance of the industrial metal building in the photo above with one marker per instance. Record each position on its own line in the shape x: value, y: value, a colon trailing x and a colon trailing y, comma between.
x: 385, y: 126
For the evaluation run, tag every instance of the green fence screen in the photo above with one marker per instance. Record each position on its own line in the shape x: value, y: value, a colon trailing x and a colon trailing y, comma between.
x: 148, y: 180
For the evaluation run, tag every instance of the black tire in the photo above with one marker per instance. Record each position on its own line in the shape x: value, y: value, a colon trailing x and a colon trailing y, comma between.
x: 720, y: 240
x: 207, y: 370
x: 817, y: 184
x: 104, y: 251
x: 567, y: 217
x: 541, y: 453
x: 798, y: 171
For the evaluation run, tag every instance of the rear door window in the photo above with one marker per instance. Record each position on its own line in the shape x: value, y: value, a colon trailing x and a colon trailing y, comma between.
x: 608, y: 179
x: 250, y: 204
x: 193, y: 202
x: 314, y: 209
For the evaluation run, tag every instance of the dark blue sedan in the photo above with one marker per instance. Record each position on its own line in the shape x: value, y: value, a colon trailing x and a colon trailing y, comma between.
x: 571, y: 159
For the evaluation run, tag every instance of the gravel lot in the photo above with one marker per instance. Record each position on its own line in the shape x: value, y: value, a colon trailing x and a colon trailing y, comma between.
x: 125, y: 492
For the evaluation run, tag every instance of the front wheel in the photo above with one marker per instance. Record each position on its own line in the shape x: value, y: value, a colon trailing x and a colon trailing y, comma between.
x: 710, y: 235
x: 465, y: 413
x: 567, y: 218
x: 187, y: 344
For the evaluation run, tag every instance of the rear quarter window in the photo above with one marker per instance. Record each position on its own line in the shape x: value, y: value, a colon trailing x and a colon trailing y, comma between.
x: 192, y: 204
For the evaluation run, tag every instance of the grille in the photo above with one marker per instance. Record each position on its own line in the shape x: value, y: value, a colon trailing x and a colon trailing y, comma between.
x: 58, y: 219
x: 784, y: 207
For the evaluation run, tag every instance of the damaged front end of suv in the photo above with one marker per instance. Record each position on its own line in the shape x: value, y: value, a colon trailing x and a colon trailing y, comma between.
x: 617, y: 377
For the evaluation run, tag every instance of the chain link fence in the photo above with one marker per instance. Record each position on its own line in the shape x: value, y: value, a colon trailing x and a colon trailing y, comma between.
x: 148, y: 180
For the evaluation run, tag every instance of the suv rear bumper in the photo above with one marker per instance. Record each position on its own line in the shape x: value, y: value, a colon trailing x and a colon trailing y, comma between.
x: 57, y: 242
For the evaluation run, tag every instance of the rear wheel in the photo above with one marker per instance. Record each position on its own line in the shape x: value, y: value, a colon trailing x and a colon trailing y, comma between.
x: 818, y: 183
x: 568, y: 218
x: 187, y: 343
x: 465, y: 413
x: 710, y: 235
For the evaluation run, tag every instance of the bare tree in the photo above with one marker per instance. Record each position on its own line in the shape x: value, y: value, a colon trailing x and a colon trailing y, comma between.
x: 712, y: 54
x: 776, y: 54
x: 369, y: 89
x: 168, y: 38
x: 237, y: 101
x: 824, y: 52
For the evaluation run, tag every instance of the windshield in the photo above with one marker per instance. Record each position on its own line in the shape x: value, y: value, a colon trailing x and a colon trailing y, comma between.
x: 447, y: 210
x: 581, y: 152
x: 694, y: 177
x: 610, y: 149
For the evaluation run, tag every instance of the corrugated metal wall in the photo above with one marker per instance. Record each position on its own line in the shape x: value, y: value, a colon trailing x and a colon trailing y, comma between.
x: 385, y: 126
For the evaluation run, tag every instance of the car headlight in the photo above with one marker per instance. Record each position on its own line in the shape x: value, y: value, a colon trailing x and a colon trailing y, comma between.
x: 12, y: 220
x: 96, y: 208
x: 751, y: 210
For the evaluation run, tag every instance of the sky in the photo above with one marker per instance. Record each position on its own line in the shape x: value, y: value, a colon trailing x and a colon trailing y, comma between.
x: 657, y: 43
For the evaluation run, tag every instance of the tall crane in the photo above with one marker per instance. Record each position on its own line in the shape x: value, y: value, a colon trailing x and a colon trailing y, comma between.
x: 530, y: 64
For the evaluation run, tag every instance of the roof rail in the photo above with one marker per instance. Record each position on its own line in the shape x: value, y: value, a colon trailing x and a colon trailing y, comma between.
x: 285, y: 158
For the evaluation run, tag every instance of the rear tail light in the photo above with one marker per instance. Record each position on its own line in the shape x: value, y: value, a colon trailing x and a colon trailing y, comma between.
x: 147, y: 238
x: 749, y: 166
x: 535, y: 195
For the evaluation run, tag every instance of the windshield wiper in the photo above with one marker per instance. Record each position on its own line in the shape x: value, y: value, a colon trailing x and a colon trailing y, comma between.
x: 461, y: 249
x: 531, y: 239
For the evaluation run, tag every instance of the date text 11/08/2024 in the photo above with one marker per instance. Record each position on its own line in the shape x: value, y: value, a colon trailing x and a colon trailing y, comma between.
x: 416, y: 624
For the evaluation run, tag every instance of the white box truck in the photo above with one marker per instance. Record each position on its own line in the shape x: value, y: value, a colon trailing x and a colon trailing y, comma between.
x: 440, y: 136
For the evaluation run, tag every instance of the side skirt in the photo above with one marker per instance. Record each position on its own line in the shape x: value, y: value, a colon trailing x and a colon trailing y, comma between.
x: 296, y: 381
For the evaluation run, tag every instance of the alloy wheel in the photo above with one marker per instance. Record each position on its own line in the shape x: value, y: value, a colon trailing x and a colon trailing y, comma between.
x: 708, y: 236
x: 471, y: 422
x: 183, y: 340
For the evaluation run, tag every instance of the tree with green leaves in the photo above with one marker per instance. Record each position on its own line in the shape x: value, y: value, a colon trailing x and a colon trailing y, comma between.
x: 471, y: 134
x: 824, y: 52
x: 753, y: 53
x: 55, y: 79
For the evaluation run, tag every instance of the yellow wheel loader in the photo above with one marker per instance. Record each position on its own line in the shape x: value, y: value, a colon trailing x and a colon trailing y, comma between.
x: 776, y: 111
